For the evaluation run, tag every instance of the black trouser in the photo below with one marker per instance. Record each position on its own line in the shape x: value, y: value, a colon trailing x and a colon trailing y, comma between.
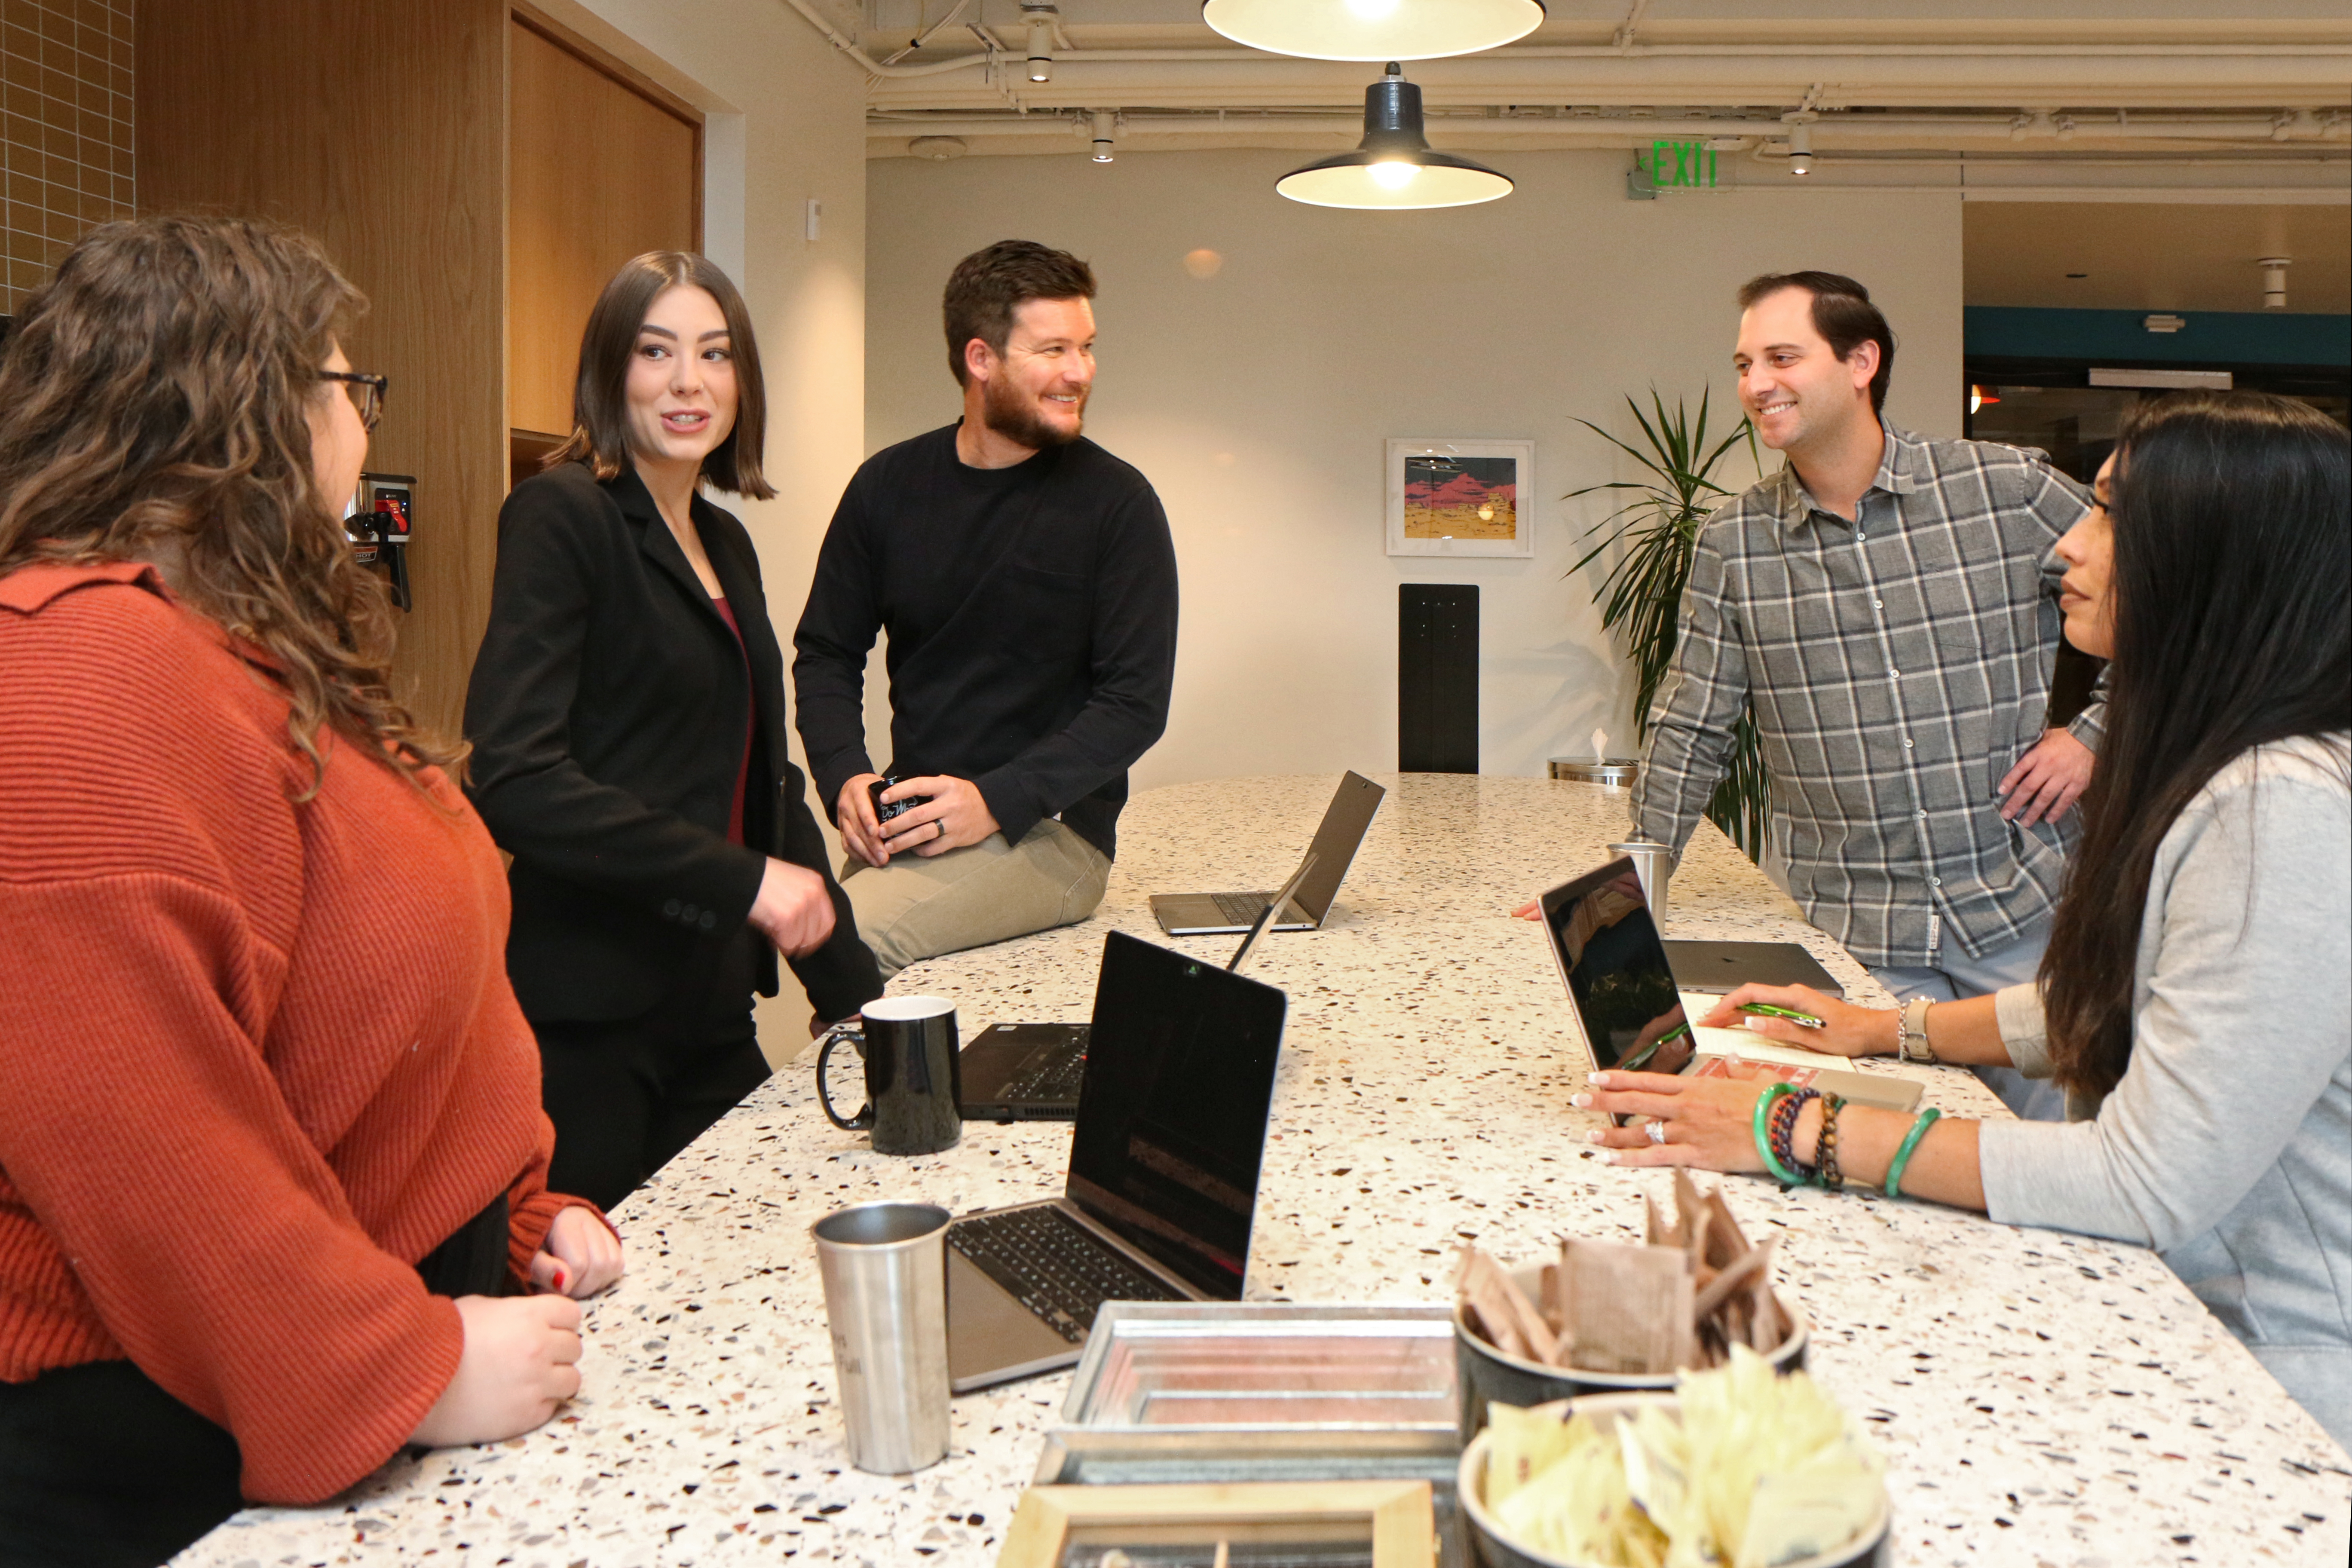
x: 626, y: 1096
x: 101, y: 1468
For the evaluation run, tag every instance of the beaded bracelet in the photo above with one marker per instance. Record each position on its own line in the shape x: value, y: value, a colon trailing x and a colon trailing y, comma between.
x: 1825, y: 1153
x: 1925, y: 1120
x: 1764, y: 1105
x: 1784, y: 1135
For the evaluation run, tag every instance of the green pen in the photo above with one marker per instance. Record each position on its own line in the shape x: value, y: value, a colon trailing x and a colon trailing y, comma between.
x: 1768, y: 1011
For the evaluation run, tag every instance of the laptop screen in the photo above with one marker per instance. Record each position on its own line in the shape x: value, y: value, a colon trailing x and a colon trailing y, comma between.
x: 1172, y: 1119
x: 1608, y: 953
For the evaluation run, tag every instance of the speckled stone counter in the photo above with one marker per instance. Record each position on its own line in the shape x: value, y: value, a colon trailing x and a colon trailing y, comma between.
x: 2043, y: 1398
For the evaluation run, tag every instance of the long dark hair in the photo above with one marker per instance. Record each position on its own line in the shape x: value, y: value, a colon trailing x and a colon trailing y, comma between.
x: 2232, y: 600
x: 600, y: 391
x: 154, y: 406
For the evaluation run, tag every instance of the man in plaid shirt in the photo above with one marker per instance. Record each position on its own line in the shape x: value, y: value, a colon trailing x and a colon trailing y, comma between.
x: 1887, y: 603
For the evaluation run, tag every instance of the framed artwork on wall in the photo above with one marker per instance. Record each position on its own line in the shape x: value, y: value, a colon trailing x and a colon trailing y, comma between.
x: 1461, y: 497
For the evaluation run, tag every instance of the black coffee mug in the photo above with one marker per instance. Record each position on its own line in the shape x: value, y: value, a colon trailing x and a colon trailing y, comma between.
x: 914, y: 1078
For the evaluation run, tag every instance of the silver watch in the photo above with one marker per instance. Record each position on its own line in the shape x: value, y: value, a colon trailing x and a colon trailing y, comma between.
x: 1911, y: 1044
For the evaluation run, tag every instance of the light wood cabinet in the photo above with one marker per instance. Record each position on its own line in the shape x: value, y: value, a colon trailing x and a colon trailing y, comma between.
x: 385, y: 128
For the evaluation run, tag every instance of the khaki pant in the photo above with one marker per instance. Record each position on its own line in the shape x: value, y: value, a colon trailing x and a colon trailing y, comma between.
x: 916, y: 908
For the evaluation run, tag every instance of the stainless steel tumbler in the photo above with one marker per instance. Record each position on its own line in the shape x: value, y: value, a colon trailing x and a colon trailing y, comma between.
x: 1614, y: 772
x: 885, y: 1268
x: 1654, y: 864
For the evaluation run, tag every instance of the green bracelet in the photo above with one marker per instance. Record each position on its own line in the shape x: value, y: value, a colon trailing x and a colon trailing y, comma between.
x: 1764, y: 1103
x: 1919, y: 1126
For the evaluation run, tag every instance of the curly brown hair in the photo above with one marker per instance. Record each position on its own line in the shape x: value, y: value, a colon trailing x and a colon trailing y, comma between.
x: 153, y: 407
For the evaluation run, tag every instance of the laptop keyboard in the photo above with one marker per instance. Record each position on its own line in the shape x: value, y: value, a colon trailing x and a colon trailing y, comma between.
x: 1053, y: 1266
x: 1056, y: 1079
x: 1242, y: 909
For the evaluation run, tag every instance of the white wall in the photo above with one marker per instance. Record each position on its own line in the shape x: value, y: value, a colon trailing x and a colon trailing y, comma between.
x: 1257, y: 400
x: 785, y: 124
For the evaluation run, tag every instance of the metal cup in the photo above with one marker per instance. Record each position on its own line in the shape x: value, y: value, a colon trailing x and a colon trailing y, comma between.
x: 914, y: 1076
x: 1654, y: 864
x: 1613, y: 772
x: 885, y: 1268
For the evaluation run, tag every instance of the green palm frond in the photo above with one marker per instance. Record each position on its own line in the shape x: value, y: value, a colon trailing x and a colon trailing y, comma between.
x: 1640, y: 595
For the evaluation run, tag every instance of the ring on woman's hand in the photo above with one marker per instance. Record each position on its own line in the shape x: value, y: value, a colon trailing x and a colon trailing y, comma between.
x: 1657, y: 1131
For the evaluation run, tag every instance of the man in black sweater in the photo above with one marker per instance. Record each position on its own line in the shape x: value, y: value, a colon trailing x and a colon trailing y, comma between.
x: 1027, y: 582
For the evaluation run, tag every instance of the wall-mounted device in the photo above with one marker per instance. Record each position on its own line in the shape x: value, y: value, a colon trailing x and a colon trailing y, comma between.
x: 382, y: 513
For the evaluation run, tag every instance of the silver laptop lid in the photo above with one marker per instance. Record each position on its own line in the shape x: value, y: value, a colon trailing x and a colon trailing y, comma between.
x: 1353, y: 806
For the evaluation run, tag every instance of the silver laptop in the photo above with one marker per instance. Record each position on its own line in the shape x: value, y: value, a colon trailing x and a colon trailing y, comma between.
x: 1350, y: 812
x: 1163, y: 1173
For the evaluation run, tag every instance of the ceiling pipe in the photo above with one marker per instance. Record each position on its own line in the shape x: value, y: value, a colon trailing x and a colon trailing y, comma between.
x: 1317, y: 121
x: 2055, y: 50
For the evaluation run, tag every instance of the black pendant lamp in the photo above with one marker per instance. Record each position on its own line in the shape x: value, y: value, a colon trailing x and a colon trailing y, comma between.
x: 1393, y: 167
x: 1373, y: 29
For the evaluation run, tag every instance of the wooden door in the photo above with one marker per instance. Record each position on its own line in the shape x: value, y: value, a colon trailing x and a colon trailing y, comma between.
x: 600, y: 169
x: 375, y: 128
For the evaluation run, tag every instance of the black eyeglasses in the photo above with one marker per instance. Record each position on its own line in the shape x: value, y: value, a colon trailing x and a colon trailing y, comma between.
x: 367, y: 393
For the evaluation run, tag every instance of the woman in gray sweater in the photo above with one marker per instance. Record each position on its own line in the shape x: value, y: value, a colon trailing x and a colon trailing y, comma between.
x: 2196, y: 1001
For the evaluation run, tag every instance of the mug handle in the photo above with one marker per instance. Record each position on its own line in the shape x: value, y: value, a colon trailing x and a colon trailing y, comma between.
x: 863, y: 1121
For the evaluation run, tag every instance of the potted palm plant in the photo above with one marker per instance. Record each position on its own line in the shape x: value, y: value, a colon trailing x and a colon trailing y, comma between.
x: 1641, y: 593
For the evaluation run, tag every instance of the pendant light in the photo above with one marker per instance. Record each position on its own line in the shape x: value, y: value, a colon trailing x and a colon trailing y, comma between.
x: 1373, y: 29
x: 1394, y: 166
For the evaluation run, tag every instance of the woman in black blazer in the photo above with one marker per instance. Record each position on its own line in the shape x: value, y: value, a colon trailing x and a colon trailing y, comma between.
x: 627, y: 717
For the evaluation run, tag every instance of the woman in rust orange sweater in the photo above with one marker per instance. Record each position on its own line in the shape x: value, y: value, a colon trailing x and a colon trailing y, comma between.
x: 272, y: 1155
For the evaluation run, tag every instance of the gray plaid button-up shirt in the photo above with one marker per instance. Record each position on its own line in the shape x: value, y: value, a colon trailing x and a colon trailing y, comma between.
x: 1899, y: 664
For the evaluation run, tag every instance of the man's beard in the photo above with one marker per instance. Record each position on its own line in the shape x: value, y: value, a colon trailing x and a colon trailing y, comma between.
x: 1008, y: 412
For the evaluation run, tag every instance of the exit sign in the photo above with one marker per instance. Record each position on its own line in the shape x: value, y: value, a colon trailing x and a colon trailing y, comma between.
x: 1682, y: 166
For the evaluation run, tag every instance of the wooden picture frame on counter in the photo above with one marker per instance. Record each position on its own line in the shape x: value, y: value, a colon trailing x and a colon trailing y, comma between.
x: 1062, y: 1526
x: 1467, y: 499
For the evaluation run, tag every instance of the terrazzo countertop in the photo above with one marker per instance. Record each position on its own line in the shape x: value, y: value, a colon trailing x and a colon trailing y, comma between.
x: 2042, y: 1398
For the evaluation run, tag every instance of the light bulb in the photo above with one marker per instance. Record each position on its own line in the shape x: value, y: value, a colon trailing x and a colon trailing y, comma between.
x: 1393, y: 174
x: 1371, y: 10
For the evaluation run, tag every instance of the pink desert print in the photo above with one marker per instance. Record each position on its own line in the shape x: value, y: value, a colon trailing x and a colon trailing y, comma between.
x: 1461, y: 497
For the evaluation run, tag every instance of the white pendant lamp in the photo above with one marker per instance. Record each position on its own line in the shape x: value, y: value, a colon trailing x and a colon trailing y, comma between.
x: 1373, y: 29
x: 1394, y: 167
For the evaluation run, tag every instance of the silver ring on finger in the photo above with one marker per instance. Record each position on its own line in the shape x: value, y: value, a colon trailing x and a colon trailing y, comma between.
x: 1657, y: 1130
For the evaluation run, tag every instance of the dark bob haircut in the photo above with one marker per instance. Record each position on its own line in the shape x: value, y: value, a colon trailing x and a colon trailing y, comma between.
x: 988, y: 286
x: 1843, y: 314
x: 600, y: 396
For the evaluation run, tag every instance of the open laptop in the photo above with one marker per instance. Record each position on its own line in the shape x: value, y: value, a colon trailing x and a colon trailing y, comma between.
x: 1344, y: 822
x: 1163, y: 1172
x: 1633, y: 1012
x: 1032, y: 1072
